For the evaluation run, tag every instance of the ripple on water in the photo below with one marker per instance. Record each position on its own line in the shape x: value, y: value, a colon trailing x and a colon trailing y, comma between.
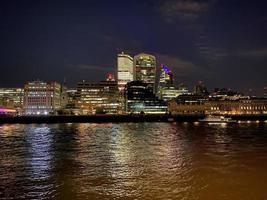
x: 133, y: 161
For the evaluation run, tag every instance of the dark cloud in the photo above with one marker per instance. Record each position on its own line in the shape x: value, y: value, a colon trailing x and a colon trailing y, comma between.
x: 186, y: 10
x: 90, y: 67
x: 176, y: 63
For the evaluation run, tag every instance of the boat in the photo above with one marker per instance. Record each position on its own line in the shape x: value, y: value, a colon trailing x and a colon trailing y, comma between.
x: 217, y: 119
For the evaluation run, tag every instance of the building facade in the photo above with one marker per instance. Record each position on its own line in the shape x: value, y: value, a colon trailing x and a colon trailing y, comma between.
x: 251, y: 106
x: 12, y: 97
x: 241, y: 106
x: 139, y: 98
x: 41, y: 98
x: 124, y: 70
x: 98, y: 97
x: 145, y: 69
x: 170, y: 92
x: 166, y: 89
x: 187, y: 104
x: 165, y: 77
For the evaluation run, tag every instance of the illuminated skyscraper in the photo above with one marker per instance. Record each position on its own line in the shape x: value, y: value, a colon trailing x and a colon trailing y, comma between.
x: 166, y: 76
x: 124, y: 70
x: 145, y: 68
x: 166, y: 90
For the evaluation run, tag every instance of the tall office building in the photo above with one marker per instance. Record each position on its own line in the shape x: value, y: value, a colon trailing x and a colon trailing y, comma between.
x: 166, y: 77
x: 166, y: 89
x: 124, y: 70
x: 41, y: 98
x: 145, y: 68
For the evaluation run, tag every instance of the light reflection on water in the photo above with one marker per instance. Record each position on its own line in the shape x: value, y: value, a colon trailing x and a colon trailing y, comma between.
x: 39, y: 162
x: 133, y: 161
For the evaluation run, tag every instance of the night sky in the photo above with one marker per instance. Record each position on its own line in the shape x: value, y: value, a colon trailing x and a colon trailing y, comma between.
x: 223, y: 43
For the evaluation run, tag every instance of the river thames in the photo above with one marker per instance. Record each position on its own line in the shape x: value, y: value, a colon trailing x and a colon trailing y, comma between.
x: 187, y: 161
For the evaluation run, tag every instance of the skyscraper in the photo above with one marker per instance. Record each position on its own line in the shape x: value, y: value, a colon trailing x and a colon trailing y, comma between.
x: 124, y: 70
x: 145, y: 68
x: 166, y: 90
x: 166, y: 77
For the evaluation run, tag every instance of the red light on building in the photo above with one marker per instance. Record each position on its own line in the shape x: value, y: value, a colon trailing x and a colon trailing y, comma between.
x: 110, y: 77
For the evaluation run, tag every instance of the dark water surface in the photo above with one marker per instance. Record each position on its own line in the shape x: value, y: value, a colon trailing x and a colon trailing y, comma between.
x: 133, y: 161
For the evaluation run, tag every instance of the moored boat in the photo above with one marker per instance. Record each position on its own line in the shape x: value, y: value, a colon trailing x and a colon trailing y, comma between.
x: 217, y: 119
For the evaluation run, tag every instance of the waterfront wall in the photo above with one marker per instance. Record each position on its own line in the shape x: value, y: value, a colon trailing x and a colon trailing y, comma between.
x: 98, y: 118
x: 118, y: 118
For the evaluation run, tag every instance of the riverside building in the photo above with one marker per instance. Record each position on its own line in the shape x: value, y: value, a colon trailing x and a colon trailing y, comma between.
x: 12, y: 97
x: 98, y: 97
x: 231, y: 106
x: 187, y: 104
x: 249, y: 106
x: 41, y: 98
x: 140, y: 99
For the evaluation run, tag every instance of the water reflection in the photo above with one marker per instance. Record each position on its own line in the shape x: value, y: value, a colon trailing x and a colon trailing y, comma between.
x: 133, y: 161
x: 39, y: 162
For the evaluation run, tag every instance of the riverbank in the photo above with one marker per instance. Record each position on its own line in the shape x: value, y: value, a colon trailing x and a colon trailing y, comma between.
x: 97, y: 118
x: 116, y: 118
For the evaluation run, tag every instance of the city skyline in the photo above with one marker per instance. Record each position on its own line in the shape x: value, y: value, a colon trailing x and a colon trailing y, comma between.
x: 136, y: 100
x: 198, y: 40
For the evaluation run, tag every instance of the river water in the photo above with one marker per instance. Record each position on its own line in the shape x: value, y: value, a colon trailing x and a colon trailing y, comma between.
x: 184, y: 161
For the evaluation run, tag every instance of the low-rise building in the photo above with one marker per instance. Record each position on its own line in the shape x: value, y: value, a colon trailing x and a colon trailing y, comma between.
x: 170, y: 92
x: 12, y: 96
x: 241, y: 106
x: 254, y: 106
x: 187, y: 104
x: 41, y: 98
x: 98, y: 97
